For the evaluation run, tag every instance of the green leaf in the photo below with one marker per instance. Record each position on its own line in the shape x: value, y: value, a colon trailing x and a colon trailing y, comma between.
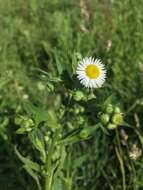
x: 93, y: 128
x: 47, y: 116
x: 26, y: 161
x: 125, y: 124
x: 104, y: 130
x: 20, y: 131
x: 37, y: 140
x: 30, y: 167
x: 69, y: 140
x: 108, y: 100
x: 33, y: 175
x: 59, y: 65
x: 79, y: 161
x: 41, y: 115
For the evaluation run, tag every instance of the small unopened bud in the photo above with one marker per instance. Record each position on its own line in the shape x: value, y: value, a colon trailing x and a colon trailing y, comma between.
x: 78, y: 95
x: 109, y: 109
x: 81, y: 109
x: 117, y: 110
x: 84, y: 134
x: 111, y: 126
x: 27, y: 124
x: 50, y: 87
x: 31, y: 123
x: 18, y: 120
x: 46, y: 138
x: 28, y: 129
x: 25, y: 96
x: 117, y: 119
x: 104, y: 119
x: 40, y: 86
x: 76, y: 111
x: 80, y: 120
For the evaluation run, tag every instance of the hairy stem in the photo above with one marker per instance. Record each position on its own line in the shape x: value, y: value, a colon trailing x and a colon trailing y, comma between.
x: 49, y: 173
x: 121, y: 161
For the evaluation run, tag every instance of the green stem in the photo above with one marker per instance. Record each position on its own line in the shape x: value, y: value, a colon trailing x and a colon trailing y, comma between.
x: 69, y: 180
x: 134, y: 178
x: 119, y: 155
x: 133, y: 106
x: 49, y: 173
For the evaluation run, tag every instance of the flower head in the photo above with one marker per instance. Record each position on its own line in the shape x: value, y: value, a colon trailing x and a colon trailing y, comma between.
x: 91, y: 72
x: 136, y: 152
x: 117, y: 119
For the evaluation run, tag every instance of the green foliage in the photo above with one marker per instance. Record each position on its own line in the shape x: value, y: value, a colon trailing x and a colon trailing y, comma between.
x: 54, y: 133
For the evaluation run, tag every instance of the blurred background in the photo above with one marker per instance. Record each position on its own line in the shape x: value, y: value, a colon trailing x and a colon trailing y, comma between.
x: 47, y: 36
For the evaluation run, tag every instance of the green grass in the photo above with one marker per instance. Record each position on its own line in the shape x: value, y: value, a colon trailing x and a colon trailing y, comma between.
x: 40, y: 45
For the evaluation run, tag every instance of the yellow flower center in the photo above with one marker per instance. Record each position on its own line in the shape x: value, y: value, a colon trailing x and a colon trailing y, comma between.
x: 92, y: 71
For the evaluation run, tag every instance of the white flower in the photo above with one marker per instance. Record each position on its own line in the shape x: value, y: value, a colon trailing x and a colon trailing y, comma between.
x: 136, y: 152
x: 91, y: 72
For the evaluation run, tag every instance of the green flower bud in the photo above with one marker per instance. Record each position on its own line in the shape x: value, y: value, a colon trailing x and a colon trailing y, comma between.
x: 84, y: 134
x: 104, y: 119
x: 30, y: 122
x: 46, y: 137
x: 28, y: 129
x: 5, y: 121
x: 80, y: 120
x: 99, y: 114
x: 40, y: 86
x: 76, y: 111
x: 109, y: 109
x: 117, y: 119
x: 117, y: 110
x: 111, y: 126
x: 61, y: 112
x: 50, y: 87
x: 78, y: 95
x: 27, y: 124
x: 81, y: 109
x: 18, y: 109
x: 17, y: 120
x: 70, y: 125
x: 78, y: 55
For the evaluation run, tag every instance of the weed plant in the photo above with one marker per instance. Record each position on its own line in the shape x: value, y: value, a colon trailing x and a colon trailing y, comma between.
x: 56, y: 134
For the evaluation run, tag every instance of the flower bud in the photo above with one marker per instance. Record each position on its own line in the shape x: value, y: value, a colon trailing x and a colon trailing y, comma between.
x: 78, y: 95
x: 27, y: 124
x: 117, y: 110
x: 80, y: 120
x: 46, y: 137
x: 109, y: 109
x: 76, y: 111
x: 111, y: 126
x: 40, y: 86
x: 18, y: 120
x: 70, y: 126
x: 50, y: 87
x: 81, y: 109
x: 104, y: 119
x: 30, y: 122
x: 117, y: 119
x: 28, y: 129
x: 84, y: 134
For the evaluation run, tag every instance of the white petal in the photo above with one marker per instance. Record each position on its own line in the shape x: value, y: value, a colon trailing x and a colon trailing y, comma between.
x: 84, y: 79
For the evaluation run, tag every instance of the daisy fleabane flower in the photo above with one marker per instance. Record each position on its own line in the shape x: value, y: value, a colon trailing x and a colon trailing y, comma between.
x: 91, y: 72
